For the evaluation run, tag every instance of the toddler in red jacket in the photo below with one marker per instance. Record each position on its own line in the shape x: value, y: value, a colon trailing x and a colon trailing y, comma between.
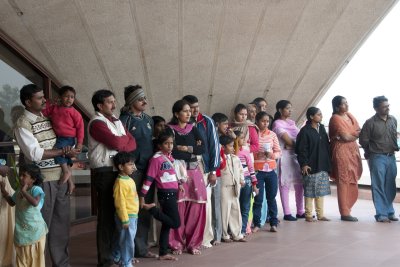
x: 68, y: 125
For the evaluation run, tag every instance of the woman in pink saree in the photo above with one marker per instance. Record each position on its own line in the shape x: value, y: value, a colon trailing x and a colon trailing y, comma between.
x: 346, y: 160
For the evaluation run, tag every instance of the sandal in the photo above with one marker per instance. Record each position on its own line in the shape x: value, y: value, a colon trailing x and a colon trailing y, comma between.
x: 168, y: 257
x: 150, y: 255
x: 177, y: 252
x: 310, y: 219
x: 216, y: 243
x: 194, y: 251
x: 324, y: 219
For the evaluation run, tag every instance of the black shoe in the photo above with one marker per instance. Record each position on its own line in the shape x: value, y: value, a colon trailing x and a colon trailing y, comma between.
x: 393, y: 218
x: 301, y: 216
x: 349, y: 218
x: 289, y: 218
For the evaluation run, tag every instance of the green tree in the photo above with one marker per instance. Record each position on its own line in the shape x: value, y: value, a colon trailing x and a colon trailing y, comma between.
x: 9, y: 97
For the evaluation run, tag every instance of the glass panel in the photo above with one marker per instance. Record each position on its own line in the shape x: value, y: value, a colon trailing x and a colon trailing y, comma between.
x: 15, y: 73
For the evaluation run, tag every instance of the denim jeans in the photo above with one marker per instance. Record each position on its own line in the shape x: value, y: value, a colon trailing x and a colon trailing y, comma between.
x: 269, y: 181
x: 63, y: 142
x: 124, y: 251
x: 383, y: 172
x: 216, y: 211
x: 264, y: 211
x: 244, y: 200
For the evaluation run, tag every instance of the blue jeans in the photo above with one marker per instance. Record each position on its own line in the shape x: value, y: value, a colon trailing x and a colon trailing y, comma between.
x: 244, y: 200
x: 63, y: 142
x: 383, y: 171
x: 124, y: 251
x: 269, y: 181
x: 264, y: 211
x: 216, y: 211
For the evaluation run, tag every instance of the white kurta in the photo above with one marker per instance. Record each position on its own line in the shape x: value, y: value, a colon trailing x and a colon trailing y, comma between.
x: 7, y: 223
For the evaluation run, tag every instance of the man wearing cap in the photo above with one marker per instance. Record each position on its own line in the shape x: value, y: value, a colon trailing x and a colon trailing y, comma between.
x: 140, y: 125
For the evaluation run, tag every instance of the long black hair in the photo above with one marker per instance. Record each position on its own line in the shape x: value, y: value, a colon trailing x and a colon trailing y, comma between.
x: 280, y: 105
x: 34, y: 172
x: 311, y: 111
x: 176, y: 108
x: 336, y: 102
x: 238, y: 108
x: 164, y: 137
x: 261, y: 115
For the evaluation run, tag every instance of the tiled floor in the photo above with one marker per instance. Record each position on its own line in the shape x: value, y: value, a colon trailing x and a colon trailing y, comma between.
x: 334, y: 243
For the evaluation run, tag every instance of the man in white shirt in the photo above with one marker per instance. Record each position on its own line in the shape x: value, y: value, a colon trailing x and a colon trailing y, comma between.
x: 36, y: 139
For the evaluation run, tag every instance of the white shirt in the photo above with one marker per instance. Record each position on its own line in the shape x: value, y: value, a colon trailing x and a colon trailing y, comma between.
x: 28, y: 144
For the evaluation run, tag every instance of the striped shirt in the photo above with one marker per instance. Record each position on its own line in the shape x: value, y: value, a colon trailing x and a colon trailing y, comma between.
x: 267, y: 138
x: 247, y: 164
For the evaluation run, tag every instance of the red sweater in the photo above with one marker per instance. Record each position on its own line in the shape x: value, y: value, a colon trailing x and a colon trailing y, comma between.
x: 66, y: 121
x: 223, y: 162
x: 100, y: 132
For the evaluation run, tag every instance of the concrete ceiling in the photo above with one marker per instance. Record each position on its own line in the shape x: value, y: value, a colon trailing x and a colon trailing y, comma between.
x: 223, y: 51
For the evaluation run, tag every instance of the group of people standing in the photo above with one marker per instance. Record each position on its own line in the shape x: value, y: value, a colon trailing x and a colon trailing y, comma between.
x: 205, y: 171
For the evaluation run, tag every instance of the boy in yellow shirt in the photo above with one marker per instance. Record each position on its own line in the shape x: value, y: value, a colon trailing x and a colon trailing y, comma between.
x: 126, y: 203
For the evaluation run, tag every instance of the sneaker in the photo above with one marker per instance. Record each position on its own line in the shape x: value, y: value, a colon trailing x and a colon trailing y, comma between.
x: 289, y: 218
x: 273, y: 229
x: 301, y: 216
x: 349, y: 218
x: 393, y: 218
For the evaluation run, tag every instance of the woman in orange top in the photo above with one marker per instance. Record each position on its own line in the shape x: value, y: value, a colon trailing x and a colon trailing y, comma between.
x: 346, y: 160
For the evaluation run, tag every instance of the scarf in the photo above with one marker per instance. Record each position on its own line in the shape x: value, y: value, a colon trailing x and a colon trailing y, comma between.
x: 188, y: 128
x: 288, y: 126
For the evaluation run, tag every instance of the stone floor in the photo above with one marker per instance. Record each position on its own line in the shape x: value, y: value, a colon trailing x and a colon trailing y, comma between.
x: 334, y: 243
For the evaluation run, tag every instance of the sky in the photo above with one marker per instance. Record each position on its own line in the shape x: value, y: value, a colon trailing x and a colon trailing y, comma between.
x: 373, y: 71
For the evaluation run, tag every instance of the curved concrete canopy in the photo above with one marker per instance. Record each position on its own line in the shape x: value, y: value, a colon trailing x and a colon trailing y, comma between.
x: 223, y: 51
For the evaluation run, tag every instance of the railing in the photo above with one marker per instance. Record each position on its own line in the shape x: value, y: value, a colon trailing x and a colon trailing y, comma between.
x: 81, y: 199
